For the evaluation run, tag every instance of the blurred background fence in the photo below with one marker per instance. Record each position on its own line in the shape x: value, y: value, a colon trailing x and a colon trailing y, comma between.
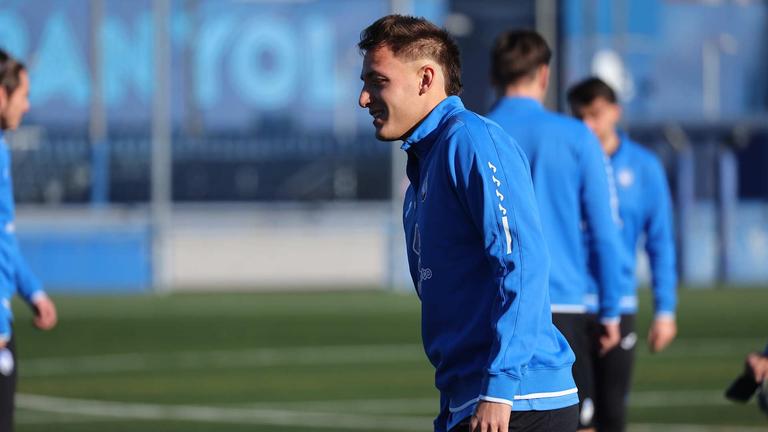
x: 217, y: 144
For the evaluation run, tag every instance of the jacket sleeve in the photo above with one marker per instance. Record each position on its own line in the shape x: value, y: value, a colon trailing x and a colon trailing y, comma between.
x: 599, y: 202
x: 27, y: 284
x: 660, y: 241
x: 493, y: 182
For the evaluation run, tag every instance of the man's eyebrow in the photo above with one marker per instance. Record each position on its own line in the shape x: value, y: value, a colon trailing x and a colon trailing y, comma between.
x: 371, y: 74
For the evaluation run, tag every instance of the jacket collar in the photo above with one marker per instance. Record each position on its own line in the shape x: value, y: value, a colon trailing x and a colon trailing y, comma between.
x: 421, y: 139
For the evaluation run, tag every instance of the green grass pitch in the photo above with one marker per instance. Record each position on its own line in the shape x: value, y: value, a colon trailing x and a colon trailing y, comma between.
x: 292, y: 362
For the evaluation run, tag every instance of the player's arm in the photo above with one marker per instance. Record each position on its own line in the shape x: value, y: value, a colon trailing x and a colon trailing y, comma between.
x: 31, y: 290
x: 600, y: 205
x: 660, y: 246
x: 493, y: 183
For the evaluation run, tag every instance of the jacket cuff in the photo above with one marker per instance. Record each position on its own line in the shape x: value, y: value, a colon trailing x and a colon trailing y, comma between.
x: 609, y: 312
x: 37, y: 295
x: 500, y: 388
x: 5, y: 330
x: 606, y: 320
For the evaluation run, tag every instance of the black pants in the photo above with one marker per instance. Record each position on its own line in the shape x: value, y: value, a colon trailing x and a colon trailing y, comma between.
x: 613, y: 377
x: 582, y: 332
x: 603, y: 382
x: 8, y: 378
x: 558, y: 420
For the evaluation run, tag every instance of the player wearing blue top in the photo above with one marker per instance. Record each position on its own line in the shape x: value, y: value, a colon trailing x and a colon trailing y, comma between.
x: 574, y: 194
x: 645, y: 208
x: 475, y: 247
x: 15, y: 276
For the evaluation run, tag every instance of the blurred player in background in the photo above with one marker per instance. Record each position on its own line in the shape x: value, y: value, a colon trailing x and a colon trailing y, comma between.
x: 475, y: 247
x: 574, y: 193
x: 15, y: 276
x: 753, y: 380
x: 645, y: 208
x: 759, y: 365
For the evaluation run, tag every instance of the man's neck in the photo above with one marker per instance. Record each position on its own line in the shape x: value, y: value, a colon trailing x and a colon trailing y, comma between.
x: 525, y: 91
x: 429, y: 107
x: 611, y: 143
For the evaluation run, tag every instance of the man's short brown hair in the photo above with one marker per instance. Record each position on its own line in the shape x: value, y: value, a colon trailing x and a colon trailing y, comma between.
x: 412, y: 38
x: 10, y: 73
x: 585, y: 92
x: 517, y: 55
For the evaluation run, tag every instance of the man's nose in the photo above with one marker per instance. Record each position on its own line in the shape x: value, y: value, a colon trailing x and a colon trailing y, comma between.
x: 365, y: 98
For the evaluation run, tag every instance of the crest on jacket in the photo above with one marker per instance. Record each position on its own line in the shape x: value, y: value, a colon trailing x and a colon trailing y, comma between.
x: 626, y: 177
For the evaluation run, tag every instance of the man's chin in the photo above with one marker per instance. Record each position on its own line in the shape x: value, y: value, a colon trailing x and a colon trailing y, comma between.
x: 385, y: 139
x: 381, y: 136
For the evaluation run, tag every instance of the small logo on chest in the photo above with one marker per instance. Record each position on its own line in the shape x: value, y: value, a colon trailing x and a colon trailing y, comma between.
x: 626, y: 178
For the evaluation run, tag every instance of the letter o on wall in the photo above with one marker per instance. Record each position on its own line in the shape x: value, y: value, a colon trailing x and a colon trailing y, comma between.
x: 265, y: 84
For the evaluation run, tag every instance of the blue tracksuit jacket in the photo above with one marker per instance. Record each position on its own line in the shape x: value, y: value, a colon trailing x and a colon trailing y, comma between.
x: 574, y: 194
x: 645, y: 207
x: 15, y: 275
x: 480, y: 267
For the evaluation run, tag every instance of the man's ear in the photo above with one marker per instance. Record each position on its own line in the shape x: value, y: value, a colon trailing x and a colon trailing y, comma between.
x: 427, y: 78
x: 543, y: 76
x: 3, y: 99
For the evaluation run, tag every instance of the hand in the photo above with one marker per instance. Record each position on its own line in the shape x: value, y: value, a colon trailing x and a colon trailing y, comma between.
x: 490, y: 417
x: 45, y: 316
x: 759, y: 365
x: 662, y: 332
x: 610, y: 338
x: 3, y: 344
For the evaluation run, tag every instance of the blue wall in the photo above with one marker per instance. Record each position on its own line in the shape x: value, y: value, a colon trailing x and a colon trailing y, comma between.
x: 88, y: 260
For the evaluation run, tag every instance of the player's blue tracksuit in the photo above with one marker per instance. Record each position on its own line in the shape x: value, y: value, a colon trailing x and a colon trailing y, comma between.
x: 570, y: 175
x: 480, y: 267
x: 15, y: 275
x: 645, y: 207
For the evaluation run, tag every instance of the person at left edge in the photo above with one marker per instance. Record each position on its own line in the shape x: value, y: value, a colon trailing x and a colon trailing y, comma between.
x: 15, y: 275
x: 475, y: 247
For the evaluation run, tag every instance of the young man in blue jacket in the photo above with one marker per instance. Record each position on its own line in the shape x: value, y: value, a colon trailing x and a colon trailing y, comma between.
x: 475, y: 247
x: 574, y: 194
x: 15, y: 276
x: 645, y: 208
